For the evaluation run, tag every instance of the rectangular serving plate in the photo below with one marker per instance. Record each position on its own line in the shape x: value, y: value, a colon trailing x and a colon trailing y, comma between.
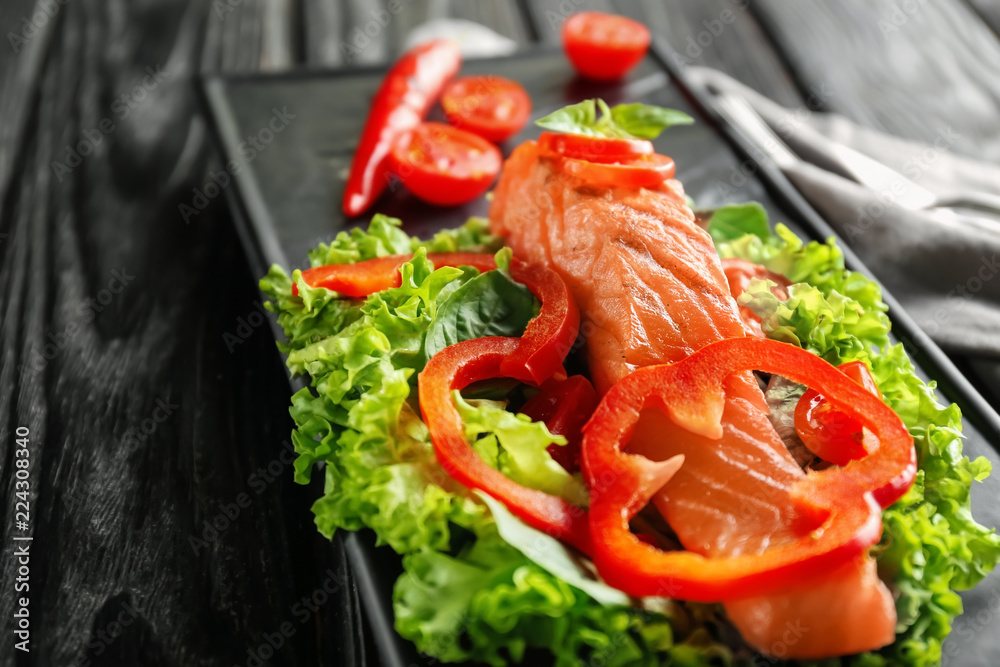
x: 286, y: 199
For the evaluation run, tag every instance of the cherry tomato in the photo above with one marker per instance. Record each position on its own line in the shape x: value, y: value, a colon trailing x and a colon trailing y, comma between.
x: 604, y: 46
x: 594, y: 149
x: 444, y: 165
x: 648, y: 171
x: 493, y: 107
x: 830, y: 433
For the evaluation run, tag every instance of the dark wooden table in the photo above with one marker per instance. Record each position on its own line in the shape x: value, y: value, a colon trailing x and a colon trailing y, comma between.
x: 166, y: 529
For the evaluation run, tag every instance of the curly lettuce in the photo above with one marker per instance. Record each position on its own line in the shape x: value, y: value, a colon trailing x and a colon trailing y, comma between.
x: 466, y: 593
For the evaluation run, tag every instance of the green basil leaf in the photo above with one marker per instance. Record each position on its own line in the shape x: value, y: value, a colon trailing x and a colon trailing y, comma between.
x: 491, y: 304
x: 629, y: 121
x: 646, y: 121
x: 574, y: 119
x: 735, y: 220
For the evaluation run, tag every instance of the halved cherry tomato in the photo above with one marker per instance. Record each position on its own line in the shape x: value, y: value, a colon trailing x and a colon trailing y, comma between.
x: 594, y: 149
x: 829, y: 432
x: 647, y: 172
x: 491, y: 106
x: 444, y: 165
x: 604, y: 46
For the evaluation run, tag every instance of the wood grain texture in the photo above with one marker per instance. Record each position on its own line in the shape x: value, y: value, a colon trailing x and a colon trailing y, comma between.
x: 345, y: 32
x: 912, y: 71
x: 144, y: 421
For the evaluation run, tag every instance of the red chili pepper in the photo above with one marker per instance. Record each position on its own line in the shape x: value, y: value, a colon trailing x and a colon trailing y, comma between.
x: 454, y: 368
x: 547, y: 339
x: 832, y: 434
x: 845, y: 502
x: 564, y: 406
x: 401, y: 103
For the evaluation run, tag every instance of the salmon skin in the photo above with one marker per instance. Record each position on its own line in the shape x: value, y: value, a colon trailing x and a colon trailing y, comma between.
x: 651, y: 290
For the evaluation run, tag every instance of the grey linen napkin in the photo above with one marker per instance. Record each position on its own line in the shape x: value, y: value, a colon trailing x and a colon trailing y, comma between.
x: 943, y: 267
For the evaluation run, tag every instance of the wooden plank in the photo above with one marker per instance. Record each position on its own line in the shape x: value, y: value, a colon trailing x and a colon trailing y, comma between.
x: 144, y: 424
x: 912, y: 71
x: 371, y: 31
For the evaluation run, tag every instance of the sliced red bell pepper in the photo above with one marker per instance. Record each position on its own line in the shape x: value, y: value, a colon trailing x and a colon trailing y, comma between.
x: 843, y: 504
x: 550, y: 336
x: 409, y: 89
x: 564, y: 406
x: 832, y: 434
x: 374, y: 275
x: 454, y: 368
x: 546, y: 341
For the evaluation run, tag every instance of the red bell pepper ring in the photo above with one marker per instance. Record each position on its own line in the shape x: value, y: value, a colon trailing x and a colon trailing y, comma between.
x: 550, y: 336
x: 454, y: 368
x: 546, y: 341
x: 409, y: 89
x: 564, y: 406
x: 831, y: 434
x: 845, y: 503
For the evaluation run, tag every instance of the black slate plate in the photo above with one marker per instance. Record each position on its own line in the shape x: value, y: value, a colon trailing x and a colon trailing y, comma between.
x: 286, y: 198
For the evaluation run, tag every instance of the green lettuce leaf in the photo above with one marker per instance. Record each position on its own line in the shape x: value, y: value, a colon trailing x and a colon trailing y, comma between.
x: 517, y: 447
x: 359, y: 416
x: 384, y: 237
x: 492, y: 604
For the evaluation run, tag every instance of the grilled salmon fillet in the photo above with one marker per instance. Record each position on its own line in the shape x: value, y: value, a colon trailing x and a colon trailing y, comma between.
x: 651, y: 290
